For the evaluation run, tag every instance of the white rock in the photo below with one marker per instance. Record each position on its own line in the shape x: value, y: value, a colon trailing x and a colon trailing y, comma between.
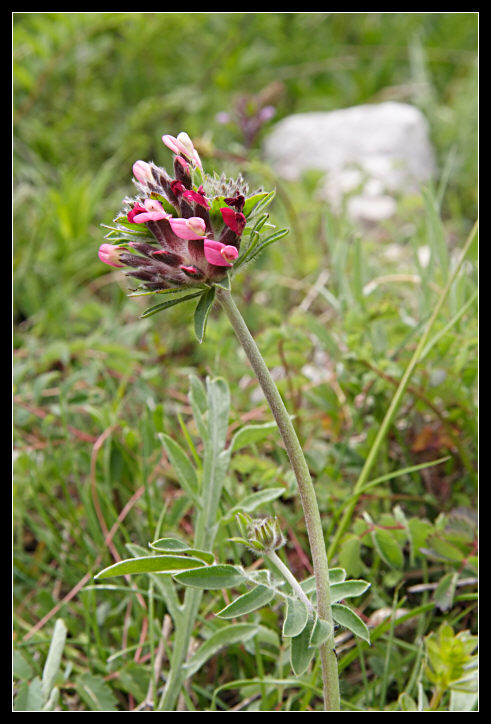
x: 372, y: 153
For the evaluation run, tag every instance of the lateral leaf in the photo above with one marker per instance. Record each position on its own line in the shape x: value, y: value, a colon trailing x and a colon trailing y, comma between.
x: 296, y: 617
x: 231, y: 634
x: 183, y: 467
x: 169, y: 303
x: 247, y: 603
x: 211, y: 577
x: 201, y: 313
x: 150, y: 564
x: 349, y: 619
x: 301, y: 652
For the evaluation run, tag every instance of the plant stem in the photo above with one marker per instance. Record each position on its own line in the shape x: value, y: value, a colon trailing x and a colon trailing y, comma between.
x: 419, y: 352
x: 306, y: 489
x: 288, y: 576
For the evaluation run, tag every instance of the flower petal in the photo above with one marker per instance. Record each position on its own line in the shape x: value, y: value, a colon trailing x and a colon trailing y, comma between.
x: 192, y: 228
x: 219, y: 254
x: 235, y: 220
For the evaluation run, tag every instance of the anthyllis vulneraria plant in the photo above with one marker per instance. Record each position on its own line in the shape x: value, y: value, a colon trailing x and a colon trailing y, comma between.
x: 184, y: 237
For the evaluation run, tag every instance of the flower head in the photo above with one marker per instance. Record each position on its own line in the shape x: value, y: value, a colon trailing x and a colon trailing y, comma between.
x: 260, y: 534
x: 183, y: 229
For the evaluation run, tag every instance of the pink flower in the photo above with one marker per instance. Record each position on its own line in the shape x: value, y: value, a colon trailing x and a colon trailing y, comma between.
x: 137, y: 209
x: 109, y: 254
x: 193, y: 228
x: 152, y: 210
x: 142, y: 171
x: 235, y: 220
x: 219, y: 254
x: 197, y: 197
x: 184, y: 146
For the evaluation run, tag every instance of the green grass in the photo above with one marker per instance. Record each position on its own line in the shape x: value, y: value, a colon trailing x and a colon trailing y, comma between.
x: 94, y: 385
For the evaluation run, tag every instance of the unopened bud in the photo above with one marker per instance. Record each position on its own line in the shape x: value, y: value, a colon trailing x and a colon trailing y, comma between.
x: 142, y: 172
x: 261, y: 534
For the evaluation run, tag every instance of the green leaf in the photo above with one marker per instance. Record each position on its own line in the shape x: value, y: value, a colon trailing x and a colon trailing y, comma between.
x: 199, y: 404
x: 96, y: 693
x: 349, y: 556
x: 212, y: 577
x: 53, y: 659
x: 296, y: 617
x: 160, y: 292
x: 169, y: 303
x: 253, y: 251
x: 231, y: 634
x: 30, y: 696
x: 218, y: 399
x: 349, y: 619
x: 445, y: 591
x: 301, y: 652
x: 140, y: 229
x: 388, y: 548
x: 257, y: 682
x: 406, y: 703
x: 320, y: 632
x: 183, y: 467
x: 253, y: 201
x: 150, y: 564
x: 21, y: 668
x: 168, y: 208
x: 251, y: 434
x: 247, y: 603
x: 441, y: 550
x: 201, y: 313
x: 257, y: 203
x: 336, y: 575
x: 254, y: 500
x: 348, y: 589
x: 169, y: 545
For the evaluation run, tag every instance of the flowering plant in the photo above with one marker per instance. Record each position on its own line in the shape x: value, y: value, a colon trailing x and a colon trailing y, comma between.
x: 182, y: 236
x: 185, y: 237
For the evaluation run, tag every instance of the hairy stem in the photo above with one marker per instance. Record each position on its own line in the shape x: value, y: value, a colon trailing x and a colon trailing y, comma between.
x: 306, y: 490
x: 288, y: 576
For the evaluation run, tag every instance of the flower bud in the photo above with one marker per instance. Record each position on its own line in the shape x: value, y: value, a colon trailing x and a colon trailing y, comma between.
x: 142, y: 172
x: 261, y: 534
x: 184, y: 146
x: 110, y: 254
x: 181, y: 170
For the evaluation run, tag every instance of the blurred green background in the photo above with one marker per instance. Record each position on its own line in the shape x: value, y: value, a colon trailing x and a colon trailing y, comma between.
x: 94, y: 92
